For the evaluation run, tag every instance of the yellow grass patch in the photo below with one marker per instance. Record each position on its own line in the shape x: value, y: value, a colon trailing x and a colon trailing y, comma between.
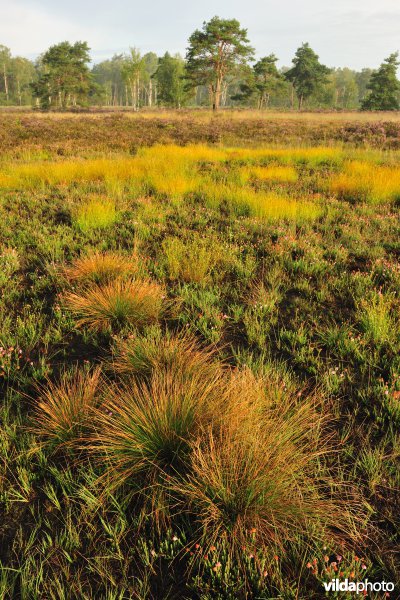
x: 274, y: 174
x: 369, y: 182
x: 264, y: 205
x: 97, y: 213
x: 174, y: 172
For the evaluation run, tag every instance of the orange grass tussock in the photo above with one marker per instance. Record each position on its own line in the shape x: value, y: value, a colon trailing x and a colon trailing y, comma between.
x: 117, y: 304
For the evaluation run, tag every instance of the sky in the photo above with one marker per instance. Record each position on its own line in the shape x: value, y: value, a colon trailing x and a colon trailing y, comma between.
x: 352, y: 33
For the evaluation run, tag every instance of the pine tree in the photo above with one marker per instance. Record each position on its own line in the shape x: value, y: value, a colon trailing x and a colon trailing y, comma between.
x: 214, y: 53
x: 64, y: 78
x: 384, y: 86
x: 307, y: 74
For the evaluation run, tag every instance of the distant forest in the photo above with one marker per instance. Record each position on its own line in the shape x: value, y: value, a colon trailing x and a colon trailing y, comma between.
x: 219, y: 70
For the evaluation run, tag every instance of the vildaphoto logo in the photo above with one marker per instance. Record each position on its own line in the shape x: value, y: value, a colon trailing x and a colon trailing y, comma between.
x: 359, y: 587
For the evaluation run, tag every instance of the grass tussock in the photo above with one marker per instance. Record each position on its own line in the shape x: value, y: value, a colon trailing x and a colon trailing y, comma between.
x: 159, y: 351
x: 64, y: 409
x: 101, y: 267
x: 256, y: 481
x: 119, y: 303
x: 144, y: 430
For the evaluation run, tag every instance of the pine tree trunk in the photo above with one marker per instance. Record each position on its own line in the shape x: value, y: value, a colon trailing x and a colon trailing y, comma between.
x: 217, y: 94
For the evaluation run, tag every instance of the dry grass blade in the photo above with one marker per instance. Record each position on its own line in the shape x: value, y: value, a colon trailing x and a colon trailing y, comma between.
x: 64, y: 409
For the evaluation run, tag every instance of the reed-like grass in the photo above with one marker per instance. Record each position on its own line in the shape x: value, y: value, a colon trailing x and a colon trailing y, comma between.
x: 116, y: 304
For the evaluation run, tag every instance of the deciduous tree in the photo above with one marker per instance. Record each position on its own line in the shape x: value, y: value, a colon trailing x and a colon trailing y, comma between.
x: 262, y: 81
x: 5, y: 60
x: 133, y: 69
x: 170, y: 80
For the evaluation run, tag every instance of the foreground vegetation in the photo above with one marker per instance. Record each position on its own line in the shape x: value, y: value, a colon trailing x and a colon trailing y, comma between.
x: 199, y: 360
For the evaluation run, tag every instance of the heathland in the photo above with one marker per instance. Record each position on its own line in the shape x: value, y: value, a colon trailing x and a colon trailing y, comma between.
x: 199, y: 354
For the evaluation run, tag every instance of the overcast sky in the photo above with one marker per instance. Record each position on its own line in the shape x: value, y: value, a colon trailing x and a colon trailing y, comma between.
x: 354, y: 33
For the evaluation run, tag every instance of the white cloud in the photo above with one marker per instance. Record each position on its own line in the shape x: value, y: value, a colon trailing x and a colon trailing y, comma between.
x: 352, y: 33
x: 28, y: 29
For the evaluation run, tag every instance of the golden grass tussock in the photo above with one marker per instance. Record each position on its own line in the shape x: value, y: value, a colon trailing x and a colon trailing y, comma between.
x: 246, y: 463
x: 101, y: 267
x: 256, y: 481
x: 158, y: 351
x: 119, y: 303
x: 64, y: 409
x: 362, y: 181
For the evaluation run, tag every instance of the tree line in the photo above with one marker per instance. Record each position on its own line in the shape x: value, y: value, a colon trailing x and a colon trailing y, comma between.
x: 219, y: 69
